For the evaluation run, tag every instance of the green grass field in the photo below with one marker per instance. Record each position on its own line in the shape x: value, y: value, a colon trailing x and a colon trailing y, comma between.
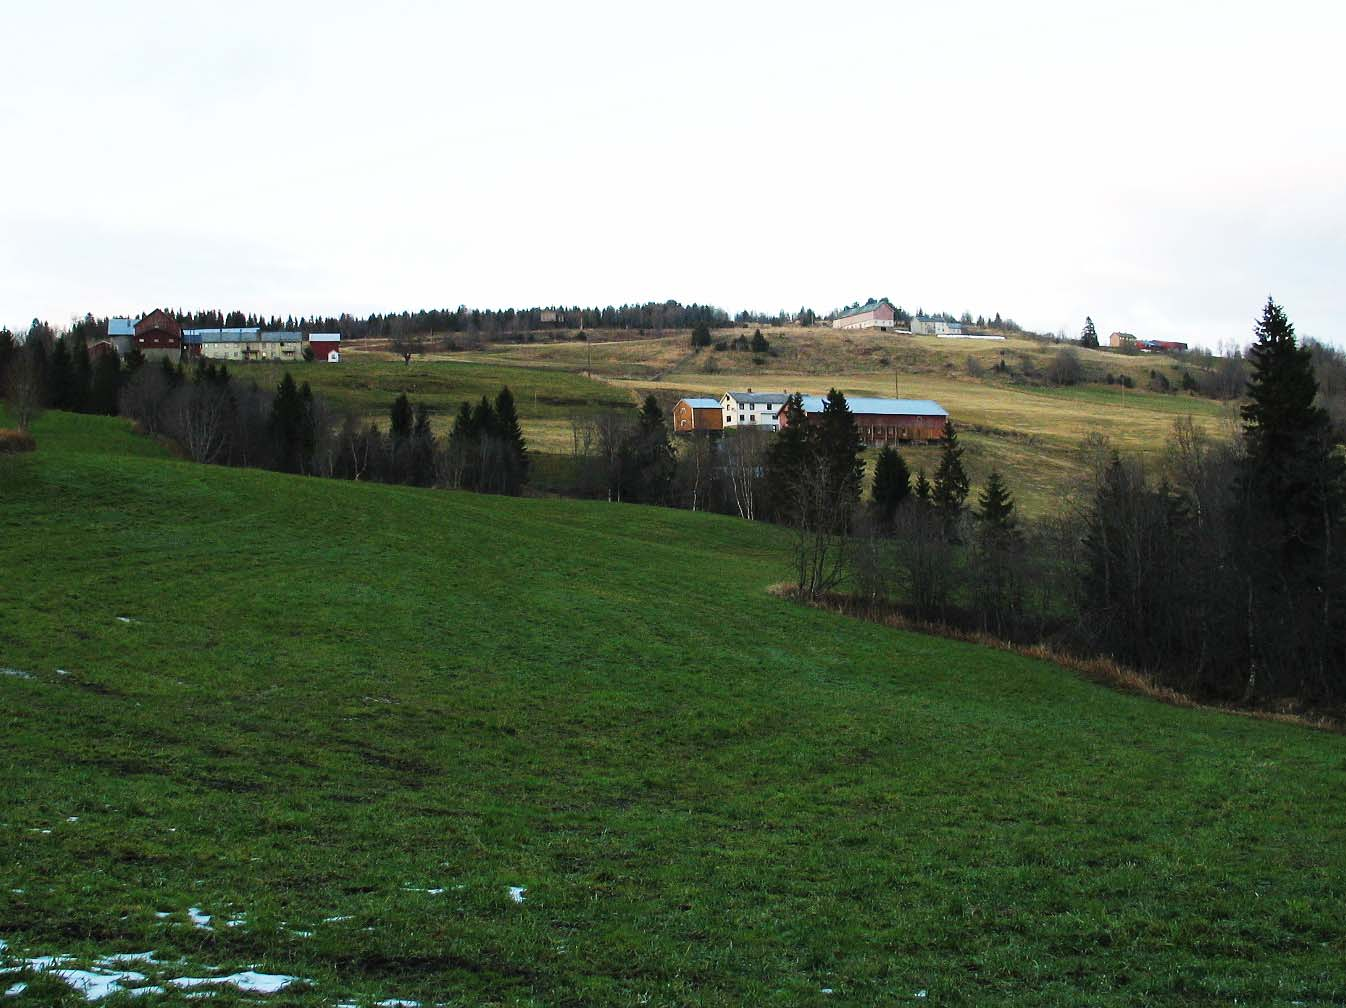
x: 367, y: 384
x: 349, y: 718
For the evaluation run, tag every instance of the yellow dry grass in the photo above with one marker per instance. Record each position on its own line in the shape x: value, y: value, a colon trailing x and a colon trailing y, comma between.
x: 1030, y: 432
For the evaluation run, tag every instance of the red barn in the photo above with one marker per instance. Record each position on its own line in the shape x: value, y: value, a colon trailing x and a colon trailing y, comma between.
x: 326, y: 347
x: 883, y: 421
x: 870, y: 315
x: 158, y: 333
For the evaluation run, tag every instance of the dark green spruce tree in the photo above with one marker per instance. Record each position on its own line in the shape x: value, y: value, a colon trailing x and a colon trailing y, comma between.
x: 514, y: 447
x: 995, y: 511
x: 288, y: 417
x: 922, y: 488
x: 892, y: 484
x: 81, y: 370
x: 836, y: 439
x: 1089, y: 337
x: 785, y: 461
x: 652, y: 456
x: 950, y: 489
x: 1293, y: 499
x: 61, y: 392
x: 107, y: 382
x: 401, y: 418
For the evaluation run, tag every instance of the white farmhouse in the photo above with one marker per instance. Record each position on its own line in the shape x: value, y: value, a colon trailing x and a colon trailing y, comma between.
x: 751, y: 409
x: 933, y: 325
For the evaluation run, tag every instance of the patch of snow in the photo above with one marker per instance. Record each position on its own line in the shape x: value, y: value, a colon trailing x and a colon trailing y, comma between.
x: 125, y: 619
x: 249, y: 982
x: 73, y: 818
x: 337, y: 920
x: 97, y: 984
x: 137, y: 991
x: 161, y: 914
x: 397, y: 1003
x: 302, y: 934
x: 516, y: 893
x: 432, y: 892
x: 200, y: 918
x: 61, y: 671
x: 238, y: 920
x: 122, y: 958
x: 15, y: 673
x: 16, y: 990
x: 919, y: 994
x: 826, y: 990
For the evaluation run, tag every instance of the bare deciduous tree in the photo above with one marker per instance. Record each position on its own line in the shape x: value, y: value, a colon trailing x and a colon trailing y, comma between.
x: 744, y: 453
x: 198, y: 416
x: 24, y: 388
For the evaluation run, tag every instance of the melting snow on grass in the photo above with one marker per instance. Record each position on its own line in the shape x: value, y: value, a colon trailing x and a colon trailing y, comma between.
x: 199, y: 918
x: 15, y: 673
x: 94, y: 984
x: 248, y: 982
x: 516, y: 893
x: 105, y: 978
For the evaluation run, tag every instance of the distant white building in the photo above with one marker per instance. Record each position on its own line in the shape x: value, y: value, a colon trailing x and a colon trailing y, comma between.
x: 926, y: 325
x: 751, y: 409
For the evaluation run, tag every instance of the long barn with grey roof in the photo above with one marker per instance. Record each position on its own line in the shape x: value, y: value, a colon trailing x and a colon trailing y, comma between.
x: 886, y: 421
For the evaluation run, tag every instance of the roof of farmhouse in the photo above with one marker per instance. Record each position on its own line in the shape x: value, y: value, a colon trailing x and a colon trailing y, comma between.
x: 868, y: 306
x: 762, y: 398
x: 324, y: 337
x: 703, y: 403
x: 883, y: 407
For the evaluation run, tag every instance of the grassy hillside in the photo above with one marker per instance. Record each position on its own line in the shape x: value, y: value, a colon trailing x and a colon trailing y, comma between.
x: 1028, y: 430
x: 348, y: 719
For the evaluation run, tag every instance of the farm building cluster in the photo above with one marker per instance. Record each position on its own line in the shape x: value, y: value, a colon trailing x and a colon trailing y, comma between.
x: 1127, y: 341
x: 880, y: 421
x: 158, y: 334
x: 881, y: 314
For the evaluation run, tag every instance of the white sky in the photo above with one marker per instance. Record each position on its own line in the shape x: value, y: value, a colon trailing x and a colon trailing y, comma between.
x: 1160, y: 166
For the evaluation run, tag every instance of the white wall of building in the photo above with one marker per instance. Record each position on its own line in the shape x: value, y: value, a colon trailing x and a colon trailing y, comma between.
x: 737, y: 414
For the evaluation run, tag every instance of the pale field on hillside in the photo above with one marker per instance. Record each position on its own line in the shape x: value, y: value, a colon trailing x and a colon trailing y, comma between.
x: 1032, y: 433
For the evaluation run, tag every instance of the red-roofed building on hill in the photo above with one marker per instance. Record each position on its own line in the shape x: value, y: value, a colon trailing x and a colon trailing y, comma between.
x: 158, y: 335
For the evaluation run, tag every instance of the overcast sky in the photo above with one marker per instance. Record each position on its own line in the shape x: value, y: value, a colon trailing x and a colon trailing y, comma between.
x: 1160, y: 166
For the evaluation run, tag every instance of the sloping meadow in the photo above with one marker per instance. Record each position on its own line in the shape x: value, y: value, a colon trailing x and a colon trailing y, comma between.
x: 306, y: 743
